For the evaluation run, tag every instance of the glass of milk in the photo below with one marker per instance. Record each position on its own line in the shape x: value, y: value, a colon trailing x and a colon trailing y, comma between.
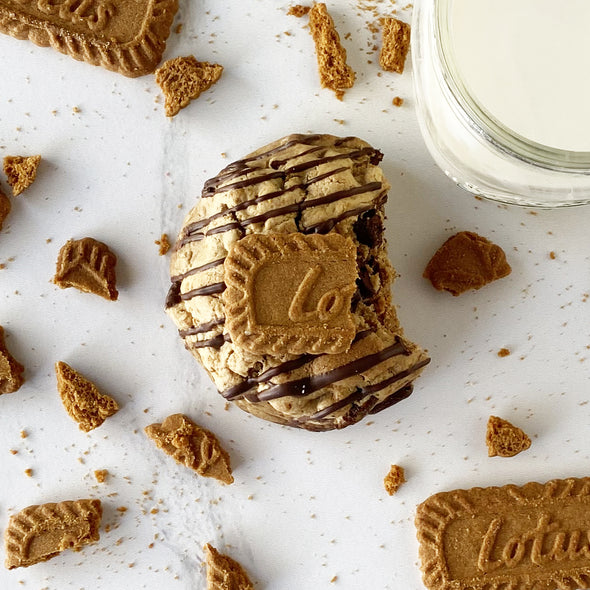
x: 503, y: 96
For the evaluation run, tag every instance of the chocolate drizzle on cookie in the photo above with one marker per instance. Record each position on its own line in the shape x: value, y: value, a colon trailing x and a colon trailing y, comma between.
x: 312, y: 184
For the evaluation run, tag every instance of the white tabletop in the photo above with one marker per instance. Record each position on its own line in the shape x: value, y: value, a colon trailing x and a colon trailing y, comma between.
x: 307, y: 510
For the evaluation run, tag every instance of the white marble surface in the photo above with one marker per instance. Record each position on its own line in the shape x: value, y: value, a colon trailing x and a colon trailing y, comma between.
x: 306, y: 510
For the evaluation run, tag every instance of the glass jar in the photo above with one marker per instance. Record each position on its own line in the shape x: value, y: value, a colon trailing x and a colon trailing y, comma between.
x: 473, y: 147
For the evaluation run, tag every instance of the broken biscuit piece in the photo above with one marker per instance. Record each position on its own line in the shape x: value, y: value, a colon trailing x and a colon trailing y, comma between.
x: 335, y: 73
x: 394, y: 479
x: 466, y: 261
x: 224, y: 573
x: 396, y: 43
x: 21, y: 172
x: 183, y: 79
x: 10, y: 370
x: 192, y: 446
x: 89, y: 266
x: 81, y: 399
x: 4, y: 207
x: 38, y: 533
x: 504, y: 439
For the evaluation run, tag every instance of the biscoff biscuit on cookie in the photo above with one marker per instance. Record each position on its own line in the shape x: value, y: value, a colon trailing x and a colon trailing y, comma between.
x: 335, y: 73
x: 39, y: 532
x: 395, y: 44
x: 183, y: 79
x: 224, y: 573
x: 21, y: 172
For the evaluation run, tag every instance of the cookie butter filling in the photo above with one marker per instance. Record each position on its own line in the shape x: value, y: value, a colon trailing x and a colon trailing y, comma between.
x: 281, y: 285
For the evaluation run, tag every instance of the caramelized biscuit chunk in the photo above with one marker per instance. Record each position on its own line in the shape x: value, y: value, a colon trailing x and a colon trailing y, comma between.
x: 395, y: 46
x: 532, y: 536
x: 291, y: 293
x: 41, y: 532
x: 183, y: 79
x: 335, y: 73
x: 10, y: 369
x: 504, y: 439
x: 89, y: 266
x: 81, y: 399
x: 224, y: 573
x: 192, y: 446
x: 466, y: 261
x: 5, y: 207
x: 21, y: 172
x: 394, y: 479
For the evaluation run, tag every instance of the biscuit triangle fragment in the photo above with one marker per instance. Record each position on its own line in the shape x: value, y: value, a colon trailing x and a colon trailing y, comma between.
x: 466, y: 261
x: 10, y: 369
x: 192, y: 446
x: 38, y: 533
x: 21, y: 172
x: 224, y: 573
x: 87, y: 265
x: 81, y: 399
x: 504, y: 439
x: 183, y: 79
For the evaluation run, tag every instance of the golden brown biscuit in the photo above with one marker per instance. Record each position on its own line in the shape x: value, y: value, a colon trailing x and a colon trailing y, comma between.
x: 395, y: 45
x: 81, y: 399
x: 518, y: 538
x: 225, y: 573
x: 89, y: 266
x: 21, y: 171
x: 335, y: 73
x: 504, y: 439
x: 40, y: 532
x: 192, y: 446
x: 466, y: 261
x: 11, y: 370
x: 120, y: 35
x: 183, y: 79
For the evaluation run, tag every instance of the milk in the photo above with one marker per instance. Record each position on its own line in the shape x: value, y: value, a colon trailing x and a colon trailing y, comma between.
x: 527, y: 63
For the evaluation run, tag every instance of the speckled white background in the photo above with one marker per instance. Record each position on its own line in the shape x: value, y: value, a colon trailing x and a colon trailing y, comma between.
x: 306, y: 510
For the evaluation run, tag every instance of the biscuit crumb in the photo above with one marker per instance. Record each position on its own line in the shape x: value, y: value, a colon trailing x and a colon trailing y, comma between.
x: 29, y: 472
x: 24, y: 434
x: 298, y: 10
x: 89, y: 266
x: 504, y: 352
x: 183, y: 79
x: 503, y: 439
x: 394, y: 479
x: 178, y: 28
x: 466, y: 261
x: 552, y: 254
x: 81, y: 399
x: 395, y: 44
x: 224, y: 572
x: 10, y: 369
x: 335, y: 73
x: 21, y: 172
x: 192, y: 446
x: 397, y: 101
x: 164, y: 244
x: 101, y: 475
